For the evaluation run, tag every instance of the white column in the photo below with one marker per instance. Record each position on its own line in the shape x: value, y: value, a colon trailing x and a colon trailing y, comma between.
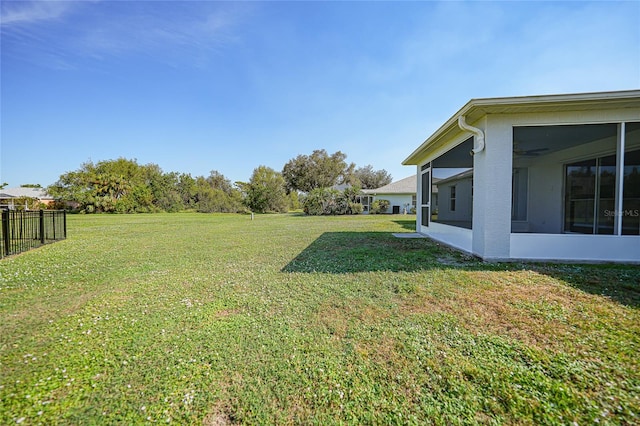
x: 492, y: 175
x: 418, y: 200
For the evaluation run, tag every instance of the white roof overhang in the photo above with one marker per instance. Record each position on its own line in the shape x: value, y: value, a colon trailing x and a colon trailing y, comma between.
x: 475, y: 109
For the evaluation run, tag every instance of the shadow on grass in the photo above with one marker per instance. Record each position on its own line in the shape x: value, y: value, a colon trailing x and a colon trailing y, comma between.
x: 407, y: 224
x: 348, y: 252
x: 353, y: 252
x: 620, y: 283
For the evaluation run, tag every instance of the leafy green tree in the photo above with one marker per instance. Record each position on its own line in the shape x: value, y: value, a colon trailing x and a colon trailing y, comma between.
x: 329, y: 201
x: 265, y: 191
x: 318, y: 170
x: 118, y: 186
x: 212, y: 200
x: 217, y: 181
x: 293, y: 199
x: 187, y: 188
x: 351, y: 194
x: 216, y: 195
x: 78, y: 187
x: 321, y: 201
x: 165, y: 195
x: 367, y: 178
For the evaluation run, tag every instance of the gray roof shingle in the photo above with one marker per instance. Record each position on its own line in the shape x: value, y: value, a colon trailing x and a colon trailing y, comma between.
x: 407, y: 185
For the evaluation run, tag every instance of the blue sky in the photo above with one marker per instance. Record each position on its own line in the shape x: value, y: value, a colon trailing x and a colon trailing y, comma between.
x: 228, y: 86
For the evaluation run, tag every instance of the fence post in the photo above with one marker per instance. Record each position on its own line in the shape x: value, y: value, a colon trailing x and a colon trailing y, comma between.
x: 64, y: 219
x: 5, y: 232
x: 42, y: 232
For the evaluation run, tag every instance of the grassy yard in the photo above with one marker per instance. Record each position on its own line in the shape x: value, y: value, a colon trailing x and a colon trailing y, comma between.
x: 286, y: 319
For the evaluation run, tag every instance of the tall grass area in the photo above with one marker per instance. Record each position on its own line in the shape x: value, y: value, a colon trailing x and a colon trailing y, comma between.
x: 287, y: 319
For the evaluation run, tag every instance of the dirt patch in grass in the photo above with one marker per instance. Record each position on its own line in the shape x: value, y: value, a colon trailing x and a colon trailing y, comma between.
x: 224, y: 313
x: 337, y: 317
x: 525, y: 305
x: 219, y: 417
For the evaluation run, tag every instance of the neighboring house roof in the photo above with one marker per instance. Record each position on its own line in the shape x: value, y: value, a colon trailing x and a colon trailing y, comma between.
x: 478, y: 108
x: 39, y: 193
x: 407, y: 185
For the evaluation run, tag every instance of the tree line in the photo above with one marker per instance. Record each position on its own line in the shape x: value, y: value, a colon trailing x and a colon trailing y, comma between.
x: 306, y: 181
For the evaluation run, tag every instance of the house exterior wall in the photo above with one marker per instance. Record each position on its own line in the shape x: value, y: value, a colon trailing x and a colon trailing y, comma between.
x: 571, y: 247
x: 491, y: 236
x: 492, y: 171
x: 395, y: 200
x: 453, y: 236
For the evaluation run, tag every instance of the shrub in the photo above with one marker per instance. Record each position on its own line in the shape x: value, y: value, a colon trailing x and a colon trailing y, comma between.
x: 355, y: 208
x: 293, y: 200
x: 321, y: 201
x: 265, y: 191
x: 380, y: 206
x: 213, y: 200
x: 340, y: 204
x: 327, y: 201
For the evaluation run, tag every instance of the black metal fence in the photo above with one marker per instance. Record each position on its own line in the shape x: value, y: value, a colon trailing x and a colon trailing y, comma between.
x: 24, y: 230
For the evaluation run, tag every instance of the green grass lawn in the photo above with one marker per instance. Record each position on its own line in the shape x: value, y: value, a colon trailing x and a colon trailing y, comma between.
x: 286, y: 319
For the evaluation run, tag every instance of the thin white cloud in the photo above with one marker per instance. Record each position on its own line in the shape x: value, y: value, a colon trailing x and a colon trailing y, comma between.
x: 189, y: 29
x: 173, y: 33
x: 26, y: 12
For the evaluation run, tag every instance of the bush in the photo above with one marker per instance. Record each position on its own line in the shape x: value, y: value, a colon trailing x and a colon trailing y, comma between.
x: 355, y: 208
x: 265, y: 191
x: 380, y: 206
x: 213, y: 200
x: 321, y: 201
x: 327, y: 201
x: 293, y: 200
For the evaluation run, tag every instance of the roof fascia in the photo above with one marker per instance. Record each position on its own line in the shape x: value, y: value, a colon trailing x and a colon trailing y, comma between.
x: 479, y: 107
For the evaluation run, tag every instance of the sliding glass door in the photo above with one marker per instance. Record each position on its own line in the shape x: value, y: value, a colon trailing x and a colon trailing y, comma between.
x: 590, y: 196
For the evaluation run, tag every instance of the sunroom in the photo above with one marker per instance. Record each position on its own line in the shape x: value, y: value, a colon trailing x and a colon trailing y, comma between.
x: 543, y: 178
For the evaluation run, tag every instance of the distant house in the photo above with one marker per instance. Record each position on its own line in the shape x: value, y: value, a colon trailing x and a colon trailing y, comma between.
x: 401, y: 195
x: 552, y: 177
x: 8, y: 196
